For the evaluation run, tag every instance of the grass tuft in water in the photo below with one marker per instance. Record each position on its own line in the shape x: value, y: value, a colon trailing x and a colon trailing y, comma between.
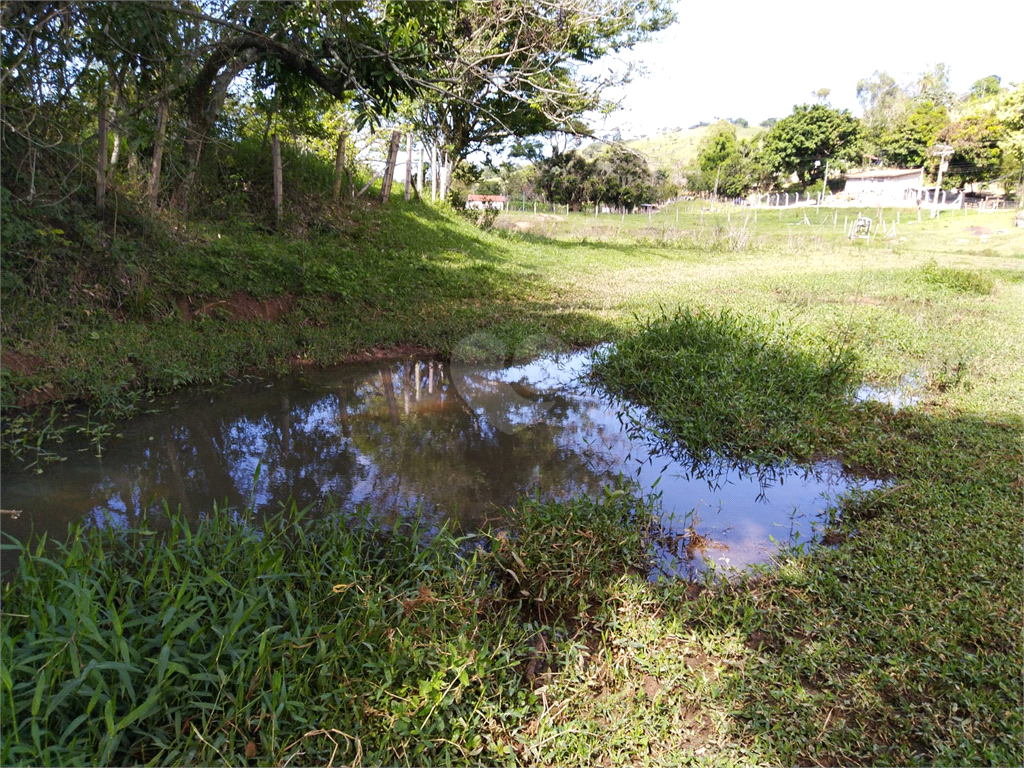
x: 721, y: 384
x: 559, y: 558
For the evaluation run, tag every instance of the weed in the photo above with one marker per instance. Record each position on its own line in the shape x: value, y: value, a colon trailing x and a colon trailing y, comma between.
x: 974, y: 282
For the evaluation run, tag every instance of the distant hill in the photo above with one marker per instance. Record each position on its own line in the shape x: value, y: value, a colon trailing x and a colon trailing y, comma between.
x: 675, y: 150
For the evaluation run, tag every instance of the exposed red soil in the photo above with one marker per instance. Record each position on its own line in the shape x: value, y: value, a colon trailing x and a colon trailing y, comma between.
x: 19, y: 362
x: 239, y: 306
x: 390, y: 353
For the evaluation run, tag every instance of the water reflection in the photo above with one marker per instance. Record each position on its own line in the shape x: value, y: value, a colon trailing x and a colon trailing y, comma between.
x: 414, y: 435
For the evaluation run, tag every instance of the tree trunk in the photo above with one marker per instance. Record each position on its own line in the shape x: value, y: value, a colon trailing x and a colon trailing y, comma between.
x: 158, y: 153
x: 339, y: 166
x: 205, y: 102
x: 408, y: 166
x: 389, y: 171
x: 275, y: 148
x: 101, y: 159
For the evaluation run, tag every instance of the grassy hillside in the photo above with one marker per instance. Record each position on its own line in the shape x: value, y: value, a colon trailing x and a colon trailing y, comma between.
x: 674, y: 150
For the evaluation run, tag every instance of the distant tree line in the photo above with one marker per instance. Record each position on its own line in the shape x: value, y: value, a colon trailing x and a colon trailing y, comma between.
x: 618, y: 178
x: 901, y: 127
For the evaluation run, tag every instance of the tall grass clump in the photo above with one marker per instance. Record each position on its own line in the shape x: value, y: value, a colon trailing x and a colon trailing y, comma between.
x: 969, y: 281
x: 719, y: 384
x: 560, y: 558
x: 230, y: 642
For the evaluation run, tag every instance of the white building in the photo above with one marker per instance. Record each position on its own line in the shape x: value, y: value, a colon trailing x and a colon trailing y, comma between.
x: 886, y: 185
x: 479, y: 202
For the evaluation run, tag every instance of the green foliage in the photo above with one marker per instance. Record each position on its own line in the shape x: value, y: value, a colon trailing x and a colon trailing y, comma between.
x: 812, y: 132
x: 616, y: 177
x: 933, y: 85
x: 559, y: 559
x: 977, y: 152
x: 985, y: 88
x: 717, y: 146
x: 905, y: 144
x: 723, y: 385
x: 727, y: 166
x: 231, y: 640
x: 567, y: 178
x: 506, y: 87
x: 966, y: 281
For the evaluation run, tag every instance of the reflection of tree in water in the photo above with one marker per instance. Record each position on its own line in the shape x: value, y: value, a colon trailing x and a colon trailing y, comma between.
x: 445, y: 453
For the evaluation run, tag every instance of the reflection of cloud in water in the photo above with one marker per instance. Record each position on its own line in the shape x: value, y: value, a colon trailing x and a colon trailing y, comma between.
x: 407, y: 436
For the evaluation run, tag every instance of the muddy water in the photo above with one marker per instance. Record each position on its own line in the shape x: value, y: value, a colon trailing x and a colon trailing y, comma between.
x: 417, y: 437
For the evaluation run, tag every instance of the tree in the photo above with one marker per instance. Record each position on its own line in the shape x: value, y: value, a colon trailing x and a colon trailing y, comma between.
x: 812, y: 132
x: 566, y: 178
x: 884, y: 103
x: 1010, y: 113
x: 370, y: 53
x: 141, y: 57
x: 905, y: 144
x: 515, y: 69
x: 717, y: 146
x: 985, y: 88
x: 626, y: 179
x: 933, y: 84
x: 977, y: 154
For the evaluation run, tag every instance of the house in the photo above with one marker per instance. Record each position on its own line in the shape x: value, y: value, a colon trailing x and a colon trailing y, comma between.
x: 886, y: 185
x: 480, y: 202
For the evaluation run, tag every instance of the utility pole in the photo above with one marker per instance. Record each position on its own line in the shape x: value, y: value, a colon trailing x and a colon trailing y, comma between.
x: 943, y: 151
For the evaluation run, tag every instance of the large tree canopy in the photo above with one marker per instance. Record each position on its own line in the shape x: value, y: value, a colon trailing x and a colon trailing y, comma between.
x: 812, y: 133
x: 516, y: 68
x: 370, y: 53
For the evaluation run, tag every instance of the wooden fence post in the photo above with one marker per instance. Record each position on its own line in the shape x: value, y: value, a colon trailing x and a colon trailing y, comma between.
x: 101, y: 159
x: 339, y: 165
x: 389, y: 170
x: 275, y: 151
x: 408, y: 166
x: 433, y: 174
x: 419, y: 173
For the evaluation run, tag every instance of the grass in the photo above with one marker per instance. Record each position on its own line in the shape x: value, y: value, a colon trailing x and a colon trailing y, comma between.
x: 900, y: 645
x: 720, y: 385
x: 296, y: 640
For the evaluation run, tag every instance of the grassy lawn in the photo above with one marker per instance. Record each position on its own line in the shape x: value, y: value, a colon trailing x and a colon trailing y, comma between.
x: 899, y: 645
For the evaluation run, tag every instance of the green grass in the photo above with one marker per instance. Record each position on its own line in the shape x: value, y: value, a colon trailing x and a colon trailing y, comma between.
x: 899, y: 646
x: 284, y: 639
x: 724, y: 386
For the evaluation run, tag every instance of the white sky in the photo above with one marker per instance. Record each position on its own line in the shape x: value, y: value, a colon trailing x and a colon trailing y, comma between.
x: 756, y: 60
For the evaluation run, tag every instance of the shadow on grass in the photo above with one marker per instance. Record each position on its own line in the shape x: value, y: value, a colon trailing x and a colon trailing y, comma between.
x: 900, y: 646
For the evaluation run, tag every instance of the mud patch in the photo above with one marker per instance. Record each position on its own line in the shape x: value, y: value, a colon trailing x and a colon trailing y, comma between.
x: 652, y: 687
x: 390, y: 353
x: 978, y: 231
x: 19, y: 362
x: 47, y: 393
x: 239, y: 307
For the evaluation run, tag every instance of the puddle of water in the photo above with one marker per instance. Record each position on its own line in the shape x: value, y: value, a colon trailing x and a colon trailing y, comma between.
x: 903, y: 395
x: 450, y: 443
